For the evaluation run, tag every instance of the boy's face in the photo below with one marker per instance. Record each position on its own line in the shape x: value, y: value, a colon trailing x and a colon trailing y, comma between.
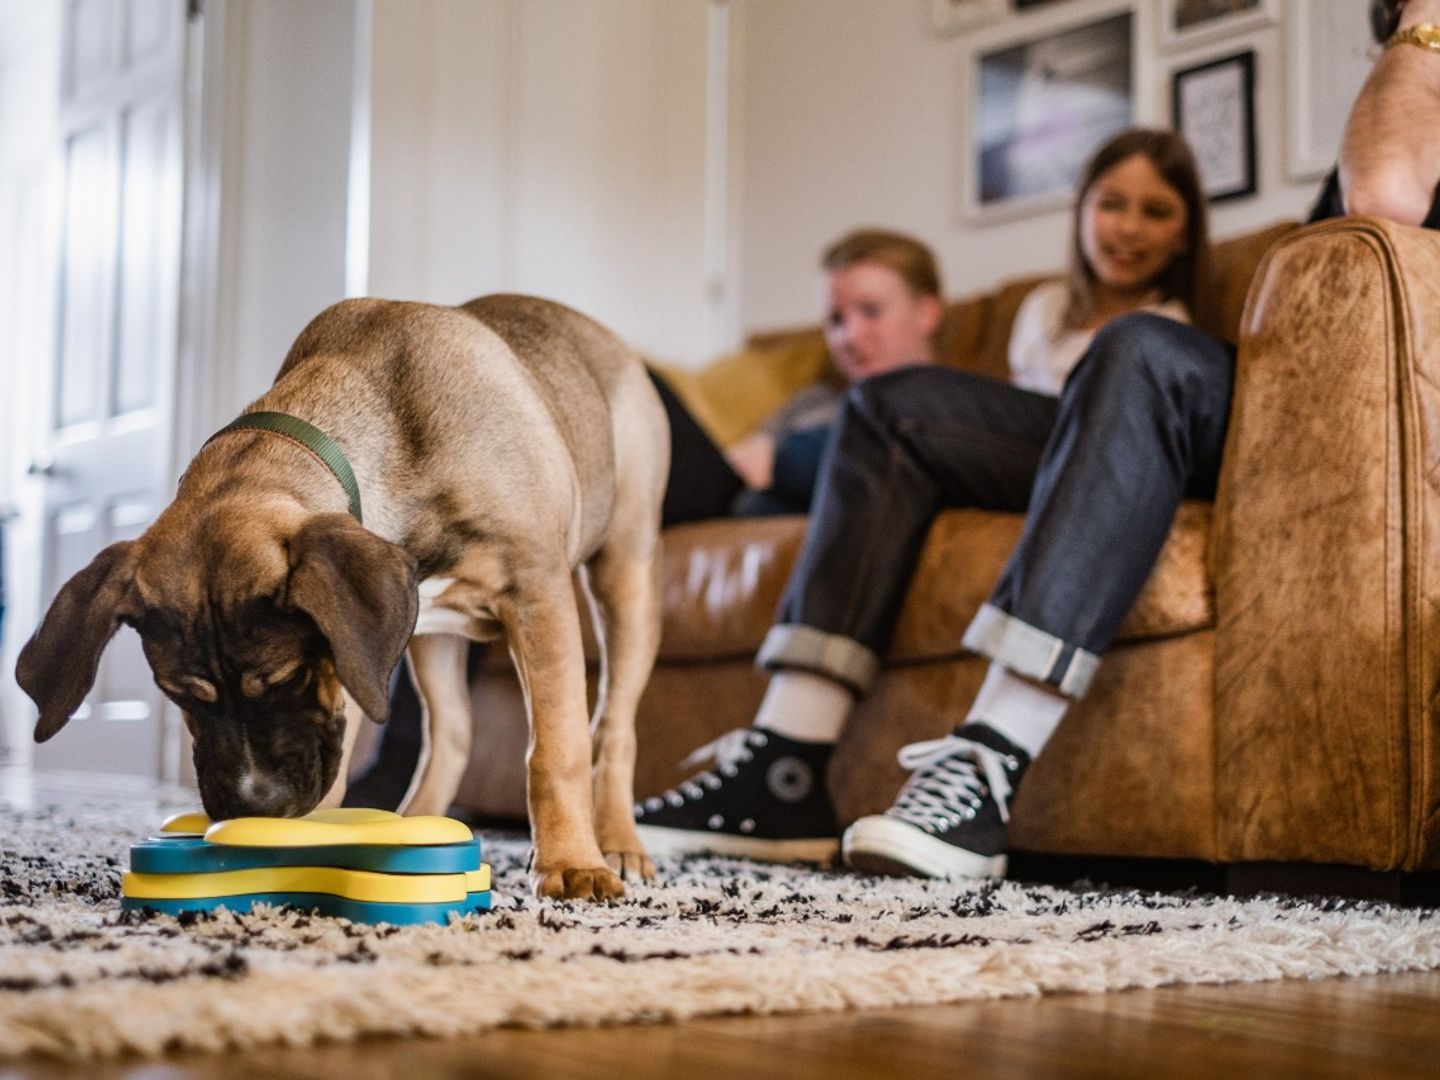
x: 874, y: 323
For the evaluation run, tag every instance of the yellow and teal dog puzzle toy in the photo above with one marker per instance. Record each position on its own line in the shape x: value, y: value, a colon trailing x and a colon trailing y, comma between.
x: 368, y: 866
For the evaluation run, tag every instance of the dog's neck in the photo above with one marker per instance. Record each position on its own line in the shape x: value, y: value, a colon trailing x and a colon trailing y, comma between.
x: 309, y: 437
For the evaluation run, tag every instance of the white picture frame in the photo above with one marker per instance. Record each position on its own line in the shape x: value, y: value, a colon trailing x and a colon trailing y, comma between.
x: 1186, y: 23
x: 1318, y: 95
x: 1015, y: 160
x: 952, y: 16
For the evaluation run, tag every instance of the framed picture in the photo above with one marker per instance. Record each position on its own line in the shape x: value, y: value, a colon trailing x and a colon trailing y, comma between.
x: 1040, y: 109
x: 1327, y: 58
x: 952, y: 16
x: 1213, y: 105
x: 1184, y: 23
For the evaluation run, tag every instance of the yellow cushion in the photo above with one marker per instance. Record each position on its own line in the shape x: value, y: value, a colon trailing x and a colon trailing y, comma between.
x: 729, y: 397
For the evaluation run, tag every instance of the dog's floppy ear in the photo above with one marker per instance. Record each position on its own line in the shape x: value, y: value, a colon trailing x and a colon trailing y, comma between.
x: 361, y: 592
x: 57, y: 666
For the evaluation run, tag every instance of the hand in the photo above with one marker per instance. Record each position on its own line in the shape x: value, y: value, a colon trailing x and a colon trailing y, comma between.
x: 753, y: 457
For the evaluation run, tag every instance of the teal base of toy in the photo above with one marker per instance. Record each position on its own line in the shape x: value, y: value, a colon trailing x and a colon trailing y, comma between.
x: 193, y: 855
x: 360, y: 911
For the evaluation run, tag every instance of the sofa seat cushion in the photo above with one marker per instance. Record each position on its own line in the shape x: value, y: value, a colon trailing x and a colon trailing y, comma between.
x: 722, y: 582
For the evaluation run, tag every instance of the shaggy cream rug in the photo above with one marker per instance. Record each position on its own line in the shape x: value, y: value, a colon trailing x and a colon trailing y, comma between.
x: 78, y: 978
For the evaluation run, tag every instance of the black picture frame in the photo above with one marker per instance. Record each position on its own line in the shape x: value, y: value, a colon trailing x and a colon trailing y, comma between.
x: 1213, y: 106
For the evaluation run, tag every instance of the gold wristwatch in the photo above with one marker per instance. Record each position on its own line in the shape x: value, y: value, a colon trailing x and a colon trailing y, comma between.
x: 1425, y: 35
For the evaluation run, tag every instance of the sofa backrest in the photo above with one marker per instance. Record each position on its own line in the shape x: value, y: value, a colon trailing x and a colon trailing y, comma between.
x: 732, y: 395
x: 976, y: 332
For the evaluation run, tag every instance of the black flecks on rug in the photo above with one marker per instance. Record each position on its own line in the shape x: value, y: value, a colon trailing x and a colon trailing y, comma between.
x: 80, y: 978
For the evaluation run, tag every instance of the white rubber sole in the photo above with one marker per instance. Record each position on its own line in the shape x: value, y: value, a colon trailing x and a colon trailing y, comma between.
x: 880, y: 844
x: 659, y: 841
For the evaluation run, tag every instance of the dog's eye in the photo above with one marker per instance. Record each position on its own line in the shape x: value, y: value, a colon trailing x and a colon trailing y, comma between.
x: 190, y: 692
x: 284, y: 674
x: 254, y: 683
x: 191, y: 686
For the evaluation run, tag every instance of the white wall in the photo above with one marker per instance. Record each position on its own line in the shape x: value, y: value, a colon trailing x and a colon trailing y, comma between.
x: 851, y: 115
x: 283, y: 184
x: 546, y: 146
x: 558, y: 147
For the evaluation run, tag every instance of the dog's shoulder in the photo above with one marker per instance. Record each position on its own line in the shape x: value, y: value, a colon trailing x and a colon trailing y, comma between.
x: 543, y: 333
x: 366, y: 326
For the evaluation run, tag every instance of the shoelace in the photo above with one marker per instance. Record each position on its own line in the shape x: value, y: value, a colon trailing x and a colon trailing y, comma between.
x: 945, y: 775
x: 728, y: 751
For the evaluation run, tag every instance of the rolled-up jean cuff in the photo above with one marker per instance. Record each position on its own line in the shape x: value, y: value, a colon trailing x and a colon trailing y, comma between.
x: 804, y: 648
x: 1030, y: 651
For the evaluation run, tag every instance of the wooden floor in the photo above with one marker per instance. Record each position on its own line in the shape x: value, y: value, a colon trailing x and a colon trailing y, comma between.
x: 1375, y: 1027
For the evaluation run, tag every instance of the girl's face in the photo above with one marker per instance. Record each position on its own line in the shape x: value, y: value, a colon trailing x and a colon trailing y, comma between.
x: 874, y: 322
x: 1132, y: 225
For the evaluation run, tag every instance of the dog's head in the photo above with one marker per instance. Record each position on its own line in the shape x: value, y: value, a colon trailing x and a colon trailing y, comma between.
x: 252, y: 631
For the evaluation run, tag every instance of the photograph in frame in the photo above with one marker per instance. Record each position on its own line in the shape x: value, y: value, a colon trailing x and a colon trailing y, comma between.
x: 1042, y: 108
x: 1213, y: 106
x: 1184, y: 23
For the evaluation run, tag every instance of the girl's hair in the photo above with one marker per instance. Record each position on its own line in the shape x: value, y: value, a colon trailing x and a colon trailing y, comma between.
x: 1171, y: 156
x: 908, y: 257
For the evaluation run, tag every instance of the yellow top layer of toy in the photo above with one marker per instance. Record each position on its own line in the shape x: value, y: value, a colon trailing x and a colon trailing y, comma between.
x: 348, y: 825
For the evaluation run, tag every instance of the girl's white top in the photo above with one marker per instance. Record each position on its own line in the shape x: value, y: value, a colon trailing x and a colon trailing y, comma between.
x: 1043, y: 351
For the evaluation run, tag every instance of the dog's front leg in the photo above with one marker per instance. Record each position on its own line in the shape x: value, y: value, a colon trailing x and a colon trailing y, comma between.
x: 544, y: 631
x: 437, y: 664
x: 354, y: 717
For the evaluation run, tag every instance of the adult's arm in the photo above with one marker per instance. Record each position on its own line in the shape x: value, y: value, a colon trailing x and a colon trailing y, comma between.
x: 1390, y: 154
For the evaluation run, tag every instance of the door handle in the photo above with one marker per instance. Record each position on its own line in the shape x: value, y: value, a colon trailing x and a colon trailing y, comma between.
x: 44, y: 465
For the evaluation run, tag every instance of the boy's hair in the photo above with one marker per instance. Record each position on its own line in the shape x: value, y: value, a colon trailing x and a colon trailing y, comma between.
x: 908, y: 257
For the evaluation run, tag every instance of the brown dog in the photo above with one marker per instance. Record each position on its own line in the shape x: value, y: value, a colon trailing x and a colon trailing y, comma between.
x: 499, y: 449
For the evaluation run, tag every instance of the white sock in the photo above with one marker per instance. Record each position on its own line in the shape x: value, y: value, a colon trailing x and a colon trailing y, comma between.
x: 803, y: 706
x: 1017, y: 709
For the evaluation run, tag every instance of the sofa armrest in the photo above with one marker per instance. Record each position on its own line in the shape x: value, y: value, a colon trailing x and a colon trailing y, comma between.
x: 1326, y: 555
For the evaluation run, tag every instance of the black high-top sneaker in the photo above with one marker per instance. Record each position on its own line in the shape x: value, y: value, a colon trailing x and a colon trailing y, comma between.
x: 949, y: 819
x: 764, y: 798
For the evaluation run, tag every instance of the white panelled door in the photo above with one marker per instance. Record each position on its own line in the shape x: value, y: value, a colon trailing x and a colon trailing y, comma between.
x: 106, y: 461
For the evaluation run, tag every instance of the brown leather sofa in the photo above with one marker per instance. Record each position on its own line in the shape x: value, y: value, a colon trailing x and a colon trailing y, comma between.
x: 1273, y: 694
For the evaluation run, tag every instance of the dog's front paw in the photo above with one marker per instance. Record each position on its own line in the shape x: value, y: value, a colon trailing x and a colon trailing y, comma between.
x: 631, y: 865
x: 578, y: 883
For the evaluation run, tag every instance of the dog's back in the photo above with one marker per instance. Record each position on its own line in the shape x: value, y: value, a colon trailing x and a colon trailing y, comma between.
x: 496, y: 381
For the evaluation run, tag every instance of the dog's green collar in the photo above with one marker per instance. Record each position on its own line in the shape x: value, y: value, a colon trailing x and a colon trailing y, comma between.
x: 311, y: 438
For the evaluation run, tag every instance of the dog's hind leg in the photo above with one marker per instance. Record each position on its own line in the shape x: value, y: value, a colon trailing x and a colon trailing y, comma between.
x: 437, y: 664
x: 624, y: 590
